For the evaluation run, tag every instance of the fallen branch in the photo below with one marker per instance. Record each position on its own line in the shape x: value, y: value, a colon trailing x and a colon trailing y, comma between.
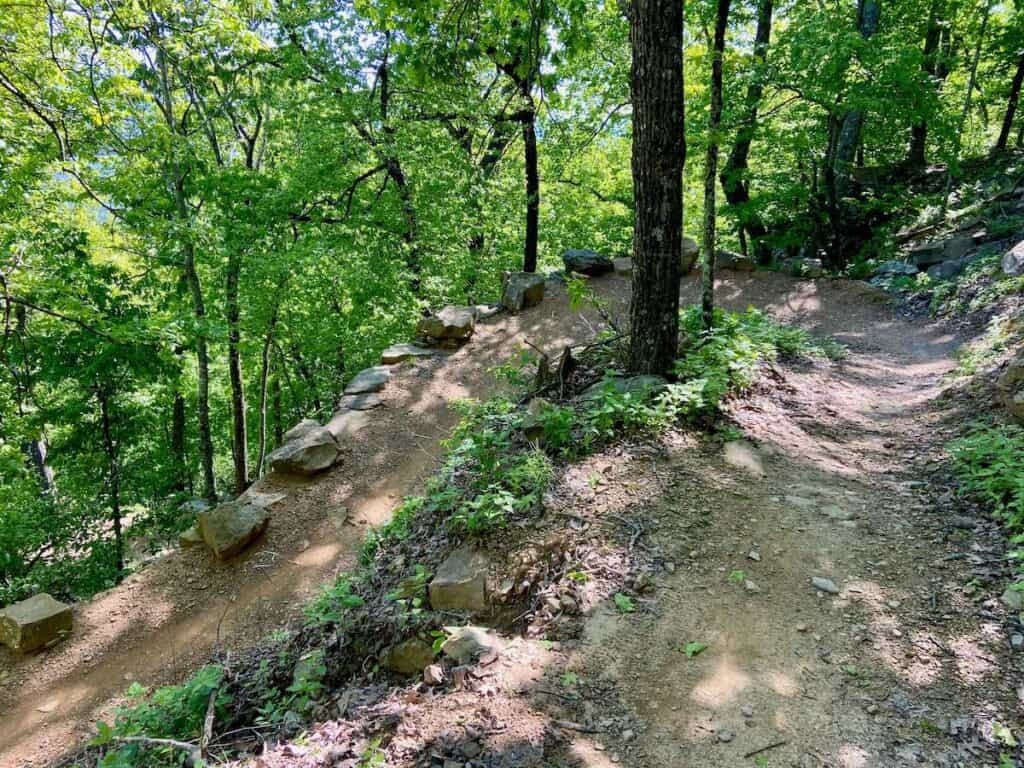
x: 764, y: 749
x: 211, y: 707
x: 192, y: 749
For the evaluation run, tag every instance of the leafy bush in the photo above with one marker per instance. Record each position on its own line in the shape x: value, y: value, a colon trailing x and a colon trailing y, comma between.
x: 990, y: 463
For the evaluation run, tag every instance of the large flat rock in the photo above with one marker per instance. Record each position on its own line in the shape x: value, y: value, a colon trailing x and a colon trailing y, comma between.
x: 460, y: 583
x: 34, y: 623
x: 231, y: 527
x: 312, y: 452
x: 450, y: 324
x: 522, y: 290
x: 399, y: 353
x: 369, y: 380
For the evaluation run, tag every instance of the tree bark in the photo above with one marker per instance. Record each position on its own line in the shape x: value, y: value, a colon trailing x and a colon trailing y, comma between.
x: 178, y: 443
x: 659, y: 153
x: 239, y: 426
x: 113, y: 476
x: 1011, y: 105
x: 268, y: 340
x: 735, y: 186
x: 711, y: 168
x: 919, y: 131
x: 532, y: 186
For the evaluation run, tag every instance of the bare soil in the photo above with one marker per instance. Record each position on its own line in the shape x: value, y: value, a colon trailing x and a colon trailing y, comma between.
x: 837, y: 476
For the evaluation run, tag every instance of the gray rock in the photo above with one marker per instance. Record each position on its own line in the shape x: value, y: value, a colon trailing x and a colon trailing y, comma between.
x: 956, y: 247
x: 193, y: 507
x: 369, y: 380
x: 364, y: 402
x: 233, y: 526
x: 825, y: 585
x: 587, y: 262
x: 532, y: 426
x: 1013, y: 261
x: 297, y: 432
x: 688, y: 255
x: 623, y: 266
x: 399, y: 353
x: 190, y: 537
x: 644, y: 385
x: 313, y: 452
x: 835, y: 512
x: 460, y: 583
x: 895, y: 269
x: 947, y: 270
x: 963, y: 522
x: 1013, y: 599
x: 410, y: 657
x: 450, y: 324
x: 34, y: 623
x: 522, y: 290
x: 1010, y: 387
x: 345, y: 424
x: 733, y: 261
x: 433, y: 674
x: 466, y: 644
x: 1016, y: 641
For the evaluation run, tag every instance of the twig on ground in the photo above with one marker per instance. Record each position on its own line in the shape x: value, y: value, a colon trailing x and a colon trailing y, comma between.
x: 753, y: 752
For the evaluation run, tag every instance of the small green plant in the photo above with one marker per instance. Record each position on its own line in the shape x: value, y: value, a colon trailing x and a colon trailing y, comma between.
x: 623, y: 602
x: 694, y: 649
x: 737, y: 576
x: 373, y: 756
x: 333, y: 602
x: 990, y: 463
x: 761, y: 761
x: 570, y: 680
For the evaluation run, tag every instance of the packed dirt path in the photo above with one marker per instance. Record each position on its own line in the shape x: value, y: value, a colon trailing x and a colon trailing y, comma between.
x: 162, y: 622
x: 907, y: 664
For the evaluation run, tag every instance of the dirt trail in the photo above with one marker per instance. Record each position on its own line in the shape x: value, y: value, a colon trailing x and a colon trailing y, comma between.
x: 905, y: 665
x: 160, y: 623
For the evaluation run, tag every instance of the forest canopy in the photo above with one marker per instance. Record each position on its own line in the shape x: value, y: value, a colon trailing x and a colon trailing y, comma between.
x: 212, y: 215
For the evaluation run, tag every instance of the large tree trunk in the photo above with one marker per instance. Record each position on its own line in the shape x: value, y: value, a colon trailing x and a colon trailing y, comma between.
x: 1011, y: 105
x: 532, y: 186
x: 113, y: 477
x: 711, y: 168
x: 659, y: 153
x: 919, y: 131
x: 735, y: 186
x: 239, y: 427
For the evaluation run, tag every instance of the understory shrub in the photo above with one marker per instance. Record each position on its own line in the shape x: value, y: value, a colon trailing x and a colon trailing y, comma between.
x: 990, y: 463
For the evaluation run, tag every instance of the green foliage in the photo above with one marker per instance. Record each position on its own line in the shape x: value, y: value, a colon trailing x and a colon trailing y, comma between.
x: 333, y: 602
x: 990, y: 463
x: 624, y: 603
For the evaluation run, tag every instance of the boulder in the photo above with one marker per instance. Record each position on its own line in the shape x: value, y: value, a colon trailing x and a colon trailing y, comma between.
x: 947, y: 270
x: 688, y: 256
x: 190, y: 537
x: 895, y: 269
x: 410, y: 657
x: 399, y: 353
x: 34, y: 623
x: 925, y: 255
x: 460, y: 583
x: 345, y: 424
x: 450, y: 324
x: 532, y: 426
x: 1010, y: 387
x: 364, y: 402
x: 233, y: 526
x: 639, y: 386
x: 369, y: 380
x: 587, y: 262
x: 728, y: 260
x: 193, y: 507
x: 466, y: 644
x: 623, y: 266
x: 522, y: 289
x: 1013, y: 261
x: 299, y: 431
x: 314, y: 451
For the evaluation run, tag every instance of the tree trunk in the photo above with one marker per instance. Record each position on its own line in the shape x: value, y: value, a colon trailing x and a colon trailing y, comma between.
x: 532, y: 186
x: 36, y: 452
x: 113, y: 477
x: 1011, y: 106
x: 239, y: 427
x: 659, y: 153
x: 711, y: 168
x: 268, y: 340
x: 178, y: 443
x: 919, y: 131
x: 735, y: 186
x: 278, y: 414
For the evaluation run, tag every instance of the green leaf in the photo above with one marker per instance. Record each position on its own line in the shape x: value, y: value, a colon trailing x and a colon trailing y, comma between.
x: 624, y: 603
x: 694, y: 649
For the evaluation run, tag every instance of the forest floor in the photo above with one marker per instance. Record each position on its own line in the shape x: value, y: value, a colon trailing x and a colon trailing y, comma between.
x: 908, y: 664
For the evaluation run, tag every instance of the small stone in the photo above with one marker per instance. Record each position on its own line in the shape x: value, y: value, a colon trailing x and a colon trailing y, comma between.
x: 1016, y: 641
x: 410, y: 656
x: 801, y: 627
x: 1013, y: 599
x: 460, y: 583
x: 433, y: 674
x: 670, y: 567
x: 750, y: 586
x: 825, y: 585
x: 725, y: 736
x: 754, y: 555
x: 627, y: 735
x: 747, y: 711
x: 872, y: 709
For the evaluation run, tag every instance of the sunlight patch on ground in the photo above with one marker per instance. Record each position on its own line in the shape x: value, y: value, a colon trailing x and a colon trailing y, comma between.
x: 723, y: 685
x: 973, y: 664
x: 852, y: 756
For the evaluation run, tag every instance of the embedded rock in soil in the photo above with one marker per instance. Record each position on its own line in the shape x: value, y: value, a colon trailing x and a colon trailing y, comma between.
x: 313, y: 452
x: 466, y: 644
x: 364, y: 402
x: 522, y: 289
x: 460, y: 583
x: 1013, y: 599
x: 399, y: 353
x: 587, y: 262
x: 644, y: 385
x: 688, y: 255
x: 728, y: 260
x: 34, y: 623
x: 231, y: 527
x: 369, y: 380
x: 623, y: 266
x: 1010, y: 387
x: 410, y: 657
x: 825, y: 585
x: 344, y: 424
x: 1013, y: 261
x: 297, y: 432
x: 450, y: 324
x: 895, y: 269
x: 532, y: 425
x: 190, y: 537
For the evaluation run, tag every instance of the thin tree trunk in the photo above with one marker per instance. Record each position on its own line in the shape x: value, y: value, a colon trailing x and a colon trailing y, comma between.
x: 1011, y: 105
x: 178, y: 442
x: 278, y: 415
x: 735, y: 186
x: 711, y: 168
x: 659, y: 153
x: 532, y: 187
x: 239, y: 427
x: 919, y: 131
x: 113, y: 477
x: 268, y: 340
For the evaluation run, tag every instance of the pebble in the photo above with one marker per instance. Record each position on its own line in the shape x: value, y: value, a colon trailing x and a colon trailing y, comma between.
x: 801, y: 627
x: 627, y: 735
x: 1016, y: 642
x: 725, y: 736
x: 754, y: 555
x: 747, y: 711
x: 751, y: 587
x: 825, y: 585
